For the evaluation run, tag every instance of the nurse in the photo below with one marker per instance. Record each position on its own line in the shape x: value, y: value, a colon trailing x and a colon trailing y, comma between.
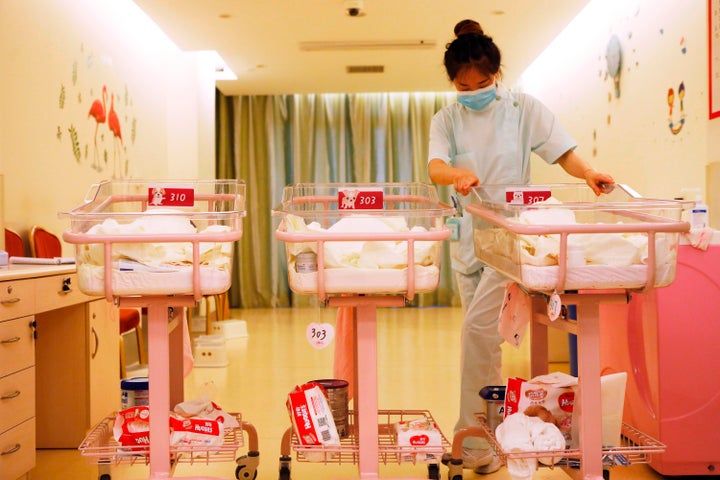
x: 486, y: 137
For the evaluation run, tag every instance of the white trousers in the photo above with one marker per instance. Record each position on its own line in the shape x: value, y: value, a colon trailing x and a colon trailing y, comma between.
x: 481, y: 296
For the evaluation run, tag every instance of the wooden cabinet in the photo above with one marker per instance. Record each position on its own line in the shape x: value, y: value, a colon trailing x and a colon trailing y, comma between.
x: 18, y: 450
x: 17, y: 379
x: 104, y: 361
x: 55, y: 387
x: 78, y: 392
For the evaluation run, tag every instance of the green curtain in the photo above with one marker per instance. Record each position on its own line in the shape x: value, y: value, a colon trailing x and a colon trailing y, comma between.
x: 278, y: 140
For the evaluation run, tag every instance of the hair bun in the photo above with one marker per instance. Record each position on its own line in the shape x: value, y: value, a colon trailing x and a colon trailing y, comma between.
x: 466, y: 27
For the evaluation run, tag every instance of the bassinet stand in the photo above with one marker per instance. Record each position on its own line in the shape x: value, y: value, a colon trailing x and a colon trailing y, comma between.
x: 364, y: 308
x: 159, y: 351
x: 587, y: 329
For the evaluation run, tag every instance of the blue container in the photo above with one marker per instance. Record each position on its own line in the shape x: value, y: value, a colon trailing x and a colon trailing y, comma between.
x: 572, y: 342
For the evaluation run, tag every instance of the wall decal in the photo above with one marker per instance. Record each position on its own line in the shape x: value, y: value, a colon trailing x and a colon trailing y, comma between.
x: 613, y: 58
x: 676, y: 128
x: 99, y: 115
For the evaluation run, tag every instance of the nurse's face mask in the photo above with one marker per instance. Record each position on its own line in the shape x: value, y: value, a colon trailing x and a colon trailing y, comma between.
x: 475, y: 90
x: 477, y: 99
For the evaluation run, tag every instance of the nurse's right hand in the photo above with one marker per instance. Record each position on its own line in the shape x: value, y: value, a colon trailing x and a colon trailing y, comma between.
x: 464, y: 180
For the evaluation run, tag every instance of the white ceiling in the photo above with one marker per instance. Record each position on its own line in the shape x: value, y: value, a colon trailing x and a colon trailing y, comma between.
x: 260, y: 39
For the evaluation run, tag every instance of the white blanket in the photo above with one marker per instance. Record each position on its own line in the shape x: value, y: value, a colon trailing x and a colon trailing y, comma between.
x: 520, y: 433
x: 363, y: 254
x: 150, y: 268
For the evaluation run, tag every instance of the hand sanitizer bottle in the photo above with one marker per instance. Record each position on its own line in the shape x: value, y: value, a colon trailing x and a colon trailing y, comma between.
x: 699, y: 214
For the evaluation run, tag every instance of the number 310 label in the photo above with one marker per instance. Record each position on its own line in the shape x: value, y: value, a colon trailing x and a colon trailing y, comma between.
x: 171, y: 197
x: 353, y: 199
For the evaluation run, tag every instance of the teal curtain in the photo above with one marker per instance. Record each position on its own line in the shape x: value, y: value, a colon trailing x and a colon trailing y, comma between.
x: 278, y: 140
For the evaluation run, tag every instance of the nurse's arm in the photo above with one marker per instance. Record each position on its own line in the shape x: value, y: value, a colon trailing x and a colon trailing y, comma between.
x: 443, y: 174
x: 577, y: 167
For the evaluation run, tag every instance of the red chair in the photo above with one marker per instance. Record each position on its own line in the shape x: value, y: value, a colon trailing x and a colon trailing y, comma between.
x: 14, y: 244
x: 44, y: 244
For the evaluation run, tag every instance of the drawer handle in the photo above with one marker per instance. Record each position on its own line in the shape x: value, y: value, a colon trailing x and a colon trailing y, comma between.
x: 10, y: 301
x: 10, y: 340
x: 97, y: 343
x: 14, y: 394
x: 66, y: 286
x: 11, y: 450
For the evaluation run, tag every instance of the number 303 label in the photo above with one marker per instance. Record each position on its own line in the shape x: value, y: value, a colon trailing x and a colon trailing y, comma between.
x: 353, y: 199
x: 320, y: 335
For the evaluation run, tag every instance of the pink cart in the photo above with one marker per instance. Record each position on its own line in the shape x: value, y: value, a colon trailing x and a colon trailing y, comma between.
x: 581, y: 250
x: 160, y: 245
x: 363, y: 246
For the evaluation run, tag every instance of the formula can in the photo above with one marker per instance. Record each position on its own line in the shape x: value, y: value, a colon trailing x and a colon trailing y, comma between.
x: 494, y: 397
x: 337, y: 393
x: 306, y: 262
x: 134, y: 392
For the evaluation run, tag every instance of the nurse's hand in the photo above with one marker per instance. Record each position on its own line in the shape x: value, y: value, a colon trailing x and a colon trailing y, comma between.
x: 597, y: 181
x: 464, y: 180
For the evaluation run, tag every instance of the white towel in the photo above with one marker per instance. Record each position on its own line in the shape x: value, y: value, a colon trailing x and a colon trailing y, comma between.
x: 546, y: 437
x: 521, y: 433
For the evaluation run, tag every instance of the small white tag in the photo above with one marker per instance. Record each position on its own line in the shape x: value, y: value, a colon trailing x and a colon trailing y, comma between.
x: 453, y: 224
x: 554, y: 307
x: 320, y: 335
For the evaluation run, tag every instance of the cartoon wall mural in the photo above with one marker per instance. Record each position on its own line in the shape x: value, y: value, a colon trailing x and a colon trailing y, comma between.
x: 99, y: 126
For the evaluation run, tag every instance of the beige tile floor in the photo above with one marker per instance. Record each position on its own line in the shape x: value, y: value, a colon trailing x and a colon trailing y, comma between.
x: 417, y: 354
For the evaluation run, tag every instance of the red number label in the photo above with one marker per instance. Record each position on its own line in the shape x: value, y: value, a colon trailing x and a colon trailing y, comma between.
x: 350, y: 199
x: 526, y: 197
x: 171, y: 197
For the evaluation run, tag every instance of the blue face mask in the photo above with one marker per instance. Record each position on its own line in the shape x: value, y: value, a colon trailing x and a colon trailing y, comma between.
x: 477, y: 99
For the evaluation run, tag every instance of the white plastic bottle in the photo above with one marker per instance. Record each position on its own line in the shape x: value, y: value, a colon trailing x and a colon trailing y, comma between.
x: 699, y: 214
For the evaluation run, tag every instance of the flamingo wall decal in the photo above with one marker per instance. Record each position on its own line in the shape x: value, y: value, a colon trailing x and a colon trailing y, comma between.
x: 97, y: 111
x: 114, y: 126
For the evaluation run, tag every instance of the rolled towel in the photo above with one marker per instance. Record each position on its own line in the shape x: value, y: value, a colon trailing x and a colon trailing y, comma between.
x: 546, y: 437
x: 521, y: 468
x: 522, y: 433
x: 514, y: 437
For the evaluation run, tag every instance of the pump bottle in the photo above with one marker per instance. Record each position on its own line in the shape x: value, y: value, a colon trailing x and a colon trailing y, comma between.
x: 699, y: 214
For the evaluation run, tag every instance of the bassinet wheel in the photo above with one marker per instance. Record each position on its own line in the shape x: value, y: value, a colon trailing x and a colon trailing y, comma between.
x: 247, y: 466
x: 433, y: 471
x: 606, y: 474
x: 104, y: 476
x: 284, y: 473
x: 242, y: 473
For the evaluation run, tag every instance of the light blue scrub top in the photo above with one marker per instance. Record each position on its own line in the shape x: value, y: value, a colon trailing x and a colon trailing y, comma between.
x: 495, y: 143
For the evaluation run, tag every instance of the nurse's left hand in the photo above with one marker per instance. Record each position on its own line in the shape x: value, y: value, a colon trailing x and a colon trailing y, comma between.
x: 596, y: 181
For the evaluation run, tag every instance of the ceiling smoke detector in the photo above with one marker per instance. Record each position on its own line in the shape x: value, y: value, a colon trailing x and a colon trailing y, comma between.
x: 354, y: 8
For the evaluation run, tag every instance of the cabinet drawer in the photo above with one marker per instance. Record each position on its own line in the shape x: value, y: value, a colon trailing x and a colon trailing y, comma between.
x: 16, y: 345
x: 17, y: 450
x: 17, y: 398
x: 58, y: 291
x: 17, y: 299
